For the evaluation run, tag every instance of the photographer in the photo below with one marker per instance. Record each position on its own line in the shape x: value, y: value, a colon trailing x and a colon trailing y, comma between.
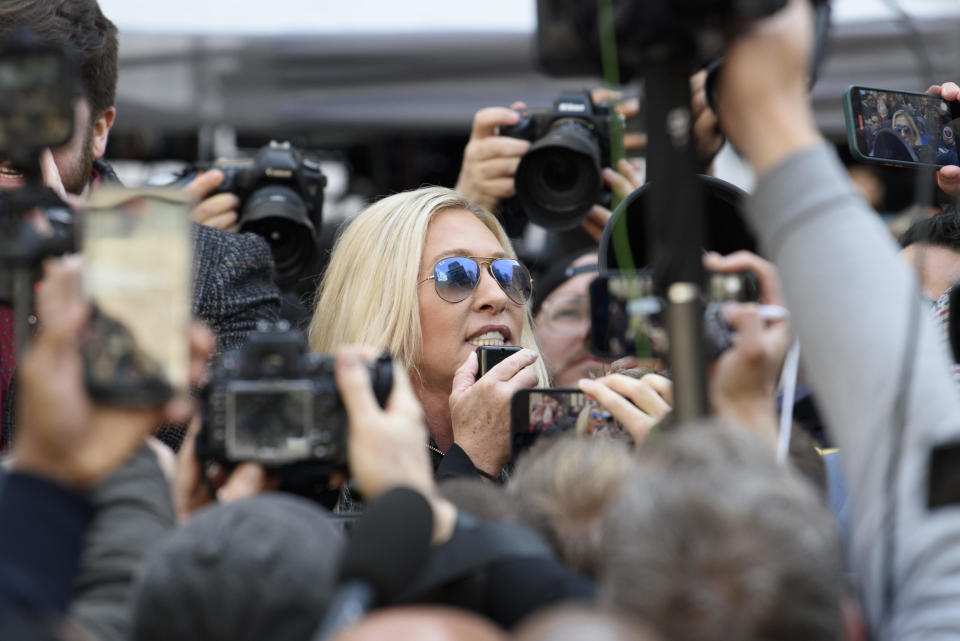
x: 233, y: 286
x: 875, y: 361
x: 490, y: 159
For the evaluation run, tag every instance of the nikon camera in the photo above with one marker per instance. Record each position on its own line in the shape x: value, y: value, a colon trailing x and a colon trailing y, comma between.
x: 558, y: 180
x: 281, y: 194
x: 276, y: 403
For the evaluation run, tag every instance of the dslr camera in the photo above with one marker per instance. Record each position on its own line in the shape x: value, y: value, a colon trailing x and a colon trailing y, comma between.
x: 276, y: 403
x: 627, y: 318
x: 281, y: 194
x: 38, y: 85
x: 558, y: 179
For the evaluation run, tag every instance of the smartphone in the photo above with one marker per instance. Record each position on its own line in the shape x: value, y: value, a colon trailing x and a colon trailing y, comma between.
x: 489, y: 356
x: 137, y: 275
x: 538, y: 411
x: 900, y: 128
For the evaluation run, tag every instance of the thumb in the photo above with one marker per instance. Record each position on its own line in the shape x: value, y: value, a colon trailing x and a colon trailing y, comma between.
x: 203, y: 183
x: 353, y: 382
x: 486, y: 121
x: 466, y: 375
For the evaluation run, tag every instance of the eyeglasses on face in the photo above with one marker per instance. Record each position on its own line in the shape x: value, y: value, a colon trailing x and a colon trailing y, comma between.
x: 567, y: 314
x: 456, y: 277
x: 903, y: 130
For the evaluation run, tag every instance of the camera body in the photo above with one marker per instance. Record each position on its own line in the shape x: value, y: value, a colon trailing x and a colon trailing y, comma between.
x: 741, y: 287
x: 276, y: 403
x: 281, y: 194
x: 571, y: 33
x: 558, y: 180
x: 39, y: 82
x: 627, y: 318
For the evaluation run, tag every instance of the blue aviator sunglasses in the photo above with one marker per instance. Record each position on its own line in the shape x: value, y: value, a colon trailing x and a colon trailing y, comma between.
x: 456, y: 277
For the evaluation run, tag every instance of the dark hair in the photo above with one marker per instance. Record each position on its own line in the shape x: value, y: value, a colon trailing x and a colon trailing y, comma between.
x: 80, y: 26
x: 941, y: 230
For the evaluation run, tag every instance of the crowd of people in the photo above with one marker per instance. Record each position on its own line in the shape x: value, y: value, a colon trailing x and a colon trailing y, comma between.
x: 924, y: 126
x: 113, y: 529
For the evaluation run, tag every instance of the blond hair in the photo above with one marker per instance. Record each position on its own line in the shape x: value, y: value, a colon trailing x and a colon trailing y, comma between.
x: 368, y: 294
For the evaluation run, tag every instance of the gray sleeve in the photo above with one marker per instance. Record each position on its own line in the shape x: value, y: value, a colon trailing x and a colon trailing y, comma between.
x: 134, y: 512
x: 857, y: 312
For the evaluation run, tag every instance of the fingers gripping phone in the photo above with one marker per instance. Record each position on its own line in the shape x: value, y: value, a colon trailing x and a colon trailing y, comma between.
x: 489, y: 356
x: 900, y: 128
x: 535, y: 412
x: 137, y: 250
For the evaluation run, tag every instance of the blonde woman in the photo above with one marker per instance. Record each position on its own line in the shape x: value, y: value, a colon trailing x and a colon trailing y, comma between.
x: 906, y: 127
x: 429, y: 276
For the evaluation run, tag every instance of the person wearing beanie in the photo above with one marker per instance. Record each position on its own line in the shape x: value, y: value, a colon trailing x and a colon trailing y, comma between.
x: 260, y: 568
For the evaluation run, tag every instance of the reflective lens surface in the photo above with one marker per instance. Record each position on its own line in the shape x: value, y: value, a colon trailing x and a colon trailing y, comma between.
x: 456, y: 277
x: 513, y: 278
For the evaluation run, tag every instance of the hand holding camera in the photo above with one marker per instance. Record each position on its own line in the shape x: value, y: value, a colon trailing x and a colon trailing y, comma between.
x: 386, y: 443
x: 490, y: 160
x: 218, y: 210
x: 63, y: 435
x: 743, y: 380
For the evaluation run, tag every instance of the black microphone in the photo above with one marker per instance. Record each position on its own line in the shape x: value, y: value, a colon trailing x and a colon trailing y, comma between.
x: 388, y: 547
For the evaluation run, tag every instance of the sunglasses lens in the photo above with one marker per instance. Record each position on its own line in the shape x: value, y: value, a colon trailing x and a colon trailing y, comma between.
x: 513, y: 278
x: 455, y: 278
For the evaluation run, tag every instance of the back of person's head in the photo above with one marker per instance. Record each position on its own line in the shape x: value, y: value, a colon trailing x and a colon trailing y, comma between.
x: 368, y: 294
x: 422, y: 623
x: 581, y: 622
x: 80, y: 26
x: 483, y: 500
x: 261, y: 568
x: 711, y: 539
x: 563, y: 486
x: 941, y: 230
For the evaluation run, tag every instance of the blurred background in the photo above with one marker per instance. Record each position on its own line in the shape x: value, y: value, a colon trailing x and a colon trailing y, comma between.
x: 385, y: 92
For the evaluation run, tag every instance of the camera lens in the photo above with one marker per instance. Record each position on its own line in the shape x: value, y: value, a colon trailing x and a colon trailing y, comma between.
x: 279, y: 214
x: 558, y: 180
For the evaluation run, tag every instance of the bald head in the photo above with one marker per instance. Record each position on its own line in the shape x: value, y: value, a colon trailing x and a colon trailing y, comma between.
x: 423, y: 624
x: 581, y: 623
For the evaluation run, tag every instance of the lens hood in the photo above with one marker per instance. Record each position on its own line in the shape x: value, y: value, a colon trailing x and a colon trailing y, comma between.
x: 725, y: 230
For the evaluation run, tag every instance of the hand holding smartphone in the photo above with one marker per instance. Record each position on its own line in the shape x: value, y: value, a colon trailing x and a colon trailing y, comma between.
x: 137, y: 251
x: 901, y: 128
x: 489, y: 356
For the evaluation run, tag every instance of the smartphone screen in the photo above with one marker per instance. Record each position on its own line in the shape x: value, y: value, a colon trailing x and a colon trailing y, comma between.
x: 137, y: 250
x: 552, y: 411
x: 901, y: 127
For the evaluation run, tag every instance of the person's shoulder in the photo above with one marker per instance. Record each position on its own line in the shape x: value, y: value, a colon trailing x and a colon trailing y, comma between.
x: 214, y: 246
